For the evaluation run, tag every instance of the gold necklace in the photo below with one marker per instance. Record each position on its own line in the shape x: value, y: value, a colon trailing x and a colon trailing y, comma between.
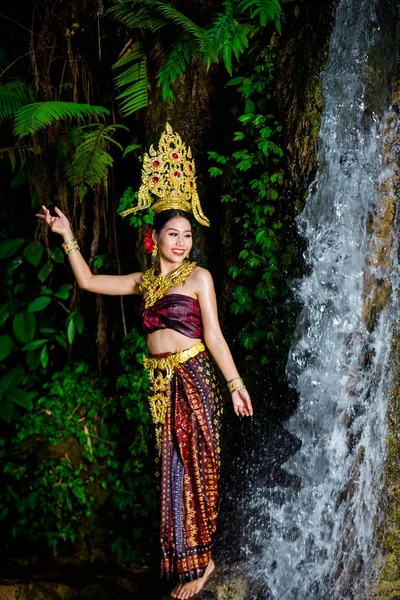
x: 155, y: 286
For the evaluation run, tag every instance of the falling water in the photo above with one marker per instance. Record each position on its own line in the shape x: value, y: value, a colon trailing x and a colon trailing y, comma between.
x: 322, y: 535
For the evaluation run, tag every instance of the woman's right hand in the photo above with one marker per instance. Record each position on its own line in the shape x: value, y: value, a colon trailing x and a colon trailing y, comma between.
x: 59, y: 224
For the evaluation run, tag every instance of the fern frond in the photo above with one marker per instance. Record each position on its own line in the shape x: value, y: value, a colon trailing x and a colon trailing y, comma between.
x: 240, y: 39
x: 15, y: 152
x: 92, y: 159
x: 265, y: 10
x: 222, y: 25
x: 13, y: 95
x: 34, y: 117
x: 175, y: 64
x: 200, y: 34
x: 134, y: 77
x: 139, y: 14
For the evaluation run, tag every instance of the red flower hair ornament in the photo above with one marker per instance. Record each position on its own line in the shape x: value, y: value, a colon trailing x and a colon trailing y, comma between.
x: 148, y: 242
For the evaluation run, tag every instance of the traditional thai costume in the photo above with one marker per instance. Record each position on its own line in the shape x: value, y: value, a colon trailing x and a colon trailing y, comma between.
x: 185, y: 405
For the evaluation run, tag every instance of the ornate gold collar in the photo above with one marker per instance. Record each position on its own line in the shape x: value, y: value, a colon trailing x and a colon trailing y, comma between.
x: 155, y: 286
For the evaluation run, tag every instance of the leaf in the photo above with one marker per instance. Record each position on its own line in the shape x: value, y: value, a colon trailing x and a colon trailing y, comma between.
x: 190, y: 27
x: 4, y: 313
x: 6, y: 346
x: 11, y: 379
x: 33, y: 359
x: 39, y: 303
x: 20, y: 397
x: 6, y: 410
x: 63, y: 292
x: 61, y: 341
x: 33, y: 253
x: 35, y: 344
x: 133, y: 78
x: 13, y: 95
x: 44, y: 357
x: 57, y: 255
x: 79, y: 322
x: 45, y: 271
x: 10, y: 247
x: 131, y: 148
x: 24, y: 325
x: 34, y: 117
x: 71, y: 330
x: 92, y: 159
x: 176, y: 64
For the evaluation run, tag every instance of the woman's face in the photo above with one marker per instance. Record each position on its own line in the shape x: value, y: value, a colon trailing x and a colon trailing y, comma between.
x: 174, y: 240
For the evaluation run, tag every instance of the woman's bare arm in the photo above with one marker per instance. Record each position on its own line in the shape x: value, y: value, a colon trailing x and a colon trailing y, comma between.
x: 215, y: 340
x: 113, y: 285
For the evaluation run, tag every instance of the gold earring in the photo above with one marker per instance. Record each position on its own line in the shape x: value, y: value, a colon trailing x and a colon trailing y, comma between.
x: 154, y: 252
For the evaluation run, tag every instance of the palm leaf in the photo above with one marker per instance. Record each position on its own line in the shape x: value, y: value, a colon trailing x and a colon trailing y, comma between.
x: 92, y: 159
x: 200, y: 34
x: 137, y: 15
x: 134, y: 77
x: 175, y: 64
x: 34, y: 117
x: 13, y: 95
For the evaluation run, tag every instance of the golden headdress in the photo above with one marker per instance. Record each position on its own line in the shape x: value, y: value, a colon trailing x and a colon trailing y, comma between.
x: 169, y: 174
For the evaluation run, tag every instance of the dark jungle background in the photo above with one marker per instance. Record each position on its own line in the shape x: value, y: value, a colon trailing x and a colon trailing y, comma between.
x: 86, y: 86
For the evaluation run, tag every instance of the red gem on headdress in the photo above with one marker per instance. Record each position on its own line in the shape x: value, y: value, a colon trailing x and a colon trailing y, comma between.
x: 155, y: 179
x: 177, y: 174
x: 158, y: 382
x: 190, y: 168
x: 191, y: 184
x: 156, y: 163
x: 175, y: 155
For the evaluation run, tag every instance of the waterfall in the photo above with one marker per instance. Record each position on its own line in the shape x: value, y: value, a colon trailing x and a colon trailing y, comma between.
x: 322, y: 535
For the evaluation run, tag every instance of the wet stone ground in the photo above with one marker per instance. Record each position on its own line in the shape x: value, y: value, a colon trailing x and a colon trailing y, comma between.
x: 104, y: 582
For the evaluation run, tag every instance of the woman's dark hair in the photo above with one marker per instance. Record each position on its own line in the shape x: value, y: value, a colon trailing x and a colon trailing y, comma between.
x: 162, y: 218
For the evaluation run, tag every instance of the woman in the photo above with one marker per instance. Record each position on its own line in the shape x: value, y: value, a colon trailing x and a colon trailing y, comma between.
x: 178, y: 310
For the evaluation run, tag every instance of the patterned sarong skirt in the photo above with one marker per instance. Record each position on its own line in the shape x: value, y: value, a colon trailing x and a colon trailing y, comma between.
x: 186, y: 405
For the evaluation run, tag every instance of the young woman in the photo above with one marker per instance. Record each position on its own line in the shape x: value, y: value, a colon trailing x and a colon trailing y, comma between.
x: 178, y: 312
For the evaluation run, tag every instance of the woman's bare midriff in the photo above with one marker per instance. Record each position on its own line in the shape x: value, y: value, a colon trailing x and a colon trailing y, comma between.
x: 169, y: 340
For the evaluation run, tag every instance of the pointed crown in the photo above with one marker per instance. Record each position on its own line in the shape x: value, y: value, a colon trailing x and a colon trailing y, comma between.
x: 169, y: 174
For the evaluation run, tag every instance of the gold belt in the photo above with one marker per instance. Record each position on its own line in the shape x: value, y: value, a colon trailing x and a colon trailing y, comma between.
x: 161, y: 371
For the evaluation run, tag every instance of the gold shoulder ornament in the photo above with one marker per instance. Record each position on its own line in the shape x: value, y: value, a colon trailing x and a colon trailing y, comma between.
x: 168, y: 173
x: 154, y: 286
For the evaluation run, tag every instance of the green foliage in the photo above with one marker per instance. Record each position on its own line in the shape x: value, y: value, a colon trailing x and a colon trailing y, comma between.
x: 133, y: 78
x: 175, y: 64
x: 233, y: 25
x: 13, y: 95
x: 254, y: 180
x: 92, y: 160
x: 34, y: 117
x: 90, y: 444
x: 36, y: 321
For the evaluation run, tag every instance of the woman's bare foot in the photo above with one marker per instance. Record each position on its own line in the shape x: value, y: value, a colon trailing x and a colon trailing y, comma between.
x: 187, y: 590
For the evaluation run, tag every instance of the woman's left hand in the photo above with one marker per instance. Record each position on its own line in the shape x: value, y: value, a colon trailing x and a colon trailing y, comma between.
x: 242, y: 403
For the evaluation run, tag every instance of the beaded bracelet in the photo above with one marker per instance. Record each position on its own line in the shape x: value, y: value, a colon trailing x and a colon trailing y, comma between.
x: 70, y: 246
x: 235, y: 384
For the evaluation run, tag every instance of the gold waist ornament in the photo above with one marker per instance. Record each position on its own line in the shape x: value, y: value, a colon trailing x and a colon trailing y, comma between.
x: 161, y: 371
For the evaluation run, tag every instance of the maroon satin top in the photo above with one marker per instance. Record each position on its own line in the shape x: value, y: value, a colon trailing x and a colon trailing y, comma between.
x: 172, y: 311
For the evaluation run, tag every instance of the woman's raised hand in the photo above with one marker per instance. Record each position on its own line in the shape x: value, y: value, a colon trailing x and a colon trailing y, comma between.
x: 58, y: 224
x: 242, y: 403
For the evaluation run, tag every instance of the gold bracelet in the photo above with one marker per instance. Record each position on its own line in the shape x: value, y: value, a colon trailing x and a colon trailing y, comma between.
x: 70, y: 246
x: 72, y: 250
x: 235, y: 384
